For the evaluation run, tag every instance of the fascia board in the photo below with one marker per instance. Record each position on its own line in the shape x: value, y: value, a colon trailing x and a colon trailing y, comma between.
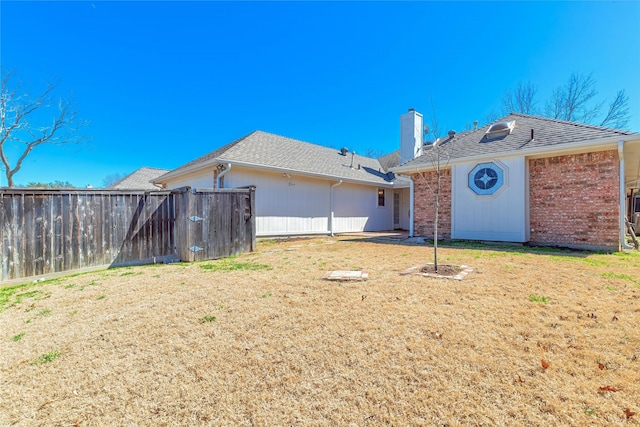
x: 210, y: 162
x: 593, y: 145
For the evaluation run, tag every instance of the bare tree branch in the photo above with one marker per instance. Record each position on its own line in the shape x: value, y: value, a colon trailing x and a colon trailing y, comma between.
x: 19, y: 115
x: 522, y: 100
x: 492, y: 116
x: 434, y: 128
x: 618, y: 113
x: 574, y: 101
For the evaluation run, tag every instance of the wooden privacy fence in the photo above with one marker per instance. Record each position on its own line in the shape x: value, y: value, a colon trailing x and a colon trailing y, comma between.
x: 215, y: 223
x: 50, y: 231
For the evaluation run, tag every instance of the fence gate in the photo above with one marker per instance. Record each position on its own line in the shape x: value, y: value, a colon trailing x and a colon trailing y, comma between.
x: 212, y: 224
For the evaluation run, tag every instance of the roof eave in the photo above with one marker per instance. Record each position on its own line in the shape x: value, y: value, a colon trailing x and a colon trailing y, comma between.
x: 306, y: 173
x: 561, y: 149
x: 203, y: 165
x: 176, y: 173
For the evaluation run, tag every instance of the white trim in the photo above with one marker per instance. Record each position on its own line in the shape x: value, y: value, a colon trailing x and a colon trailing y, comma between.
x: 408, y: 180
x: 222, y: 174
x: 623, y: 199
x: 333, y: 186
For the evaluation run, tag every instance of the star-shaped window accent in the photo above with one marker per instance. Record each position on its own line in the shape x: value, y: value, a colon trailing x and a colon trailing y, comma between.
x: 486, y: 178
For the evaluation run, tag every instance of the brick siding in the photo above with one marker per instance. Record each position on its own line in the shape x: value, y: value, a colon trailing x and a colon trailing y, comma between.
x: 574, y: 199
x: 424, y: 204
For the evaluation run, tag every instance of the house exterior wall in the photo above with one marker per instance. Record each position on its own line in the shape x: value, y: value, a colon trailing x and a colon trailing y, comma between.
x: 290, y: 205
x: 424, y: 204
x: 502, y: 216
x: 356, y: 209
x: 202, y: 179
x: 574, y: 200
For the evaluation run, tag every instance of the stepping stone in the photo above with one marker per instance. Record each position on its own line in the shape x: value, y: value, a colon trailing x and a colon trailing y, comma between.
x: 346, y: 275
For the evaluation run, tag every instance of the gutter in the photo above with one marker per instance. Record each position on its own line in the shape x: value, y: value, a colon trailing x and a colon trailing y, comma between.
x: 623, y: 194
x: 331, y: 206
x: 409, y: 181
x: 223, y: 173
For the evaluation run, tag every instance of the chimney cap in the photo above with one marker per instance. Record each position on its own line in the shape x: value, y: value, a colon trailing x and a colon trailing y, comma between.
x: 411, y: 110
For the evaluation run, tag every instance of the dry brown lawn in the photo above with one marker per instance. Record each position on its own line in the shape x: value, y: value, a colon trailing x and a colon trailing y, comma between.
x: 530, y: 337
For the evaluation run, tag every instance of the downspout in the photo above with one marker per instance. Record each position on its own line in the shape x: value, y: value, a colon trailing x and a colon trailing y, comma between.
x: 410, y: 182
x: 223, y: 173
x: 623, y: 194
x: 331, y: 206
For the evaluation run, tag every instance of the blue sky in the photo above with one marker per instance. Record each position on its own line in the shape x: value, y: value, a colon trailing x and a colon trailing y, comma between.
x: 164, y: 82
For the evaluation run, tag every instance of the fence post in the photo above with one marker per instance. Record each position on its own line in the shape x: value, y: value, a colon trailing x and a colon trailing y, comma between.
x: 181, y: 225
x: 252, y: 219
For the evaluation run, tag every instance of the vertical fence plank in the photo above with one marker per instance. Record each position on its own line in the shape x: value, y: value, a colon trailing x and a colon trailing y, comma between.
x: 38, y: 235
x: 67, y: 230
x: 47, y: 231
x: 57, y: 237
x: 28, y: 236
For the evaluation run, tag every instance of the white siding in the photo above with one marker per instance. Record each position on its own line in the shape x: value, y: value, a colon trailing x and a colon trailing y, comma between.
x: 356, y: 209
x: 290, y: 205
x: 301, y: 205
x: 500, y: 217
x: 202, y: 179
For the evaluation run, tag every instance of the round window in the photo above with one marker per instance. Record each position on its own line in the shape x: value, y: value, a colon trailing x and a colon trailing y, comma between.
x: 486, y: 178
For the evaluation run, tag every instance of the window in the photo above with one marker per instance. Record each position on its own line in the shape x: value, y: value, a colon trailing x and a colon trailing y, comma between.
x: 380, y: 197
x: 486, y: 178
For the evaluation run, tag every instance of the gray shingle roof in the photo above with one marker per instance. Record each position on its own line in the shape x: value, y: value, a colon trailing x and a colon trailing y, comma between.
x: 278, y: 152
x: 549, y: 134
x: 390, y: 160
x: 139, y: 180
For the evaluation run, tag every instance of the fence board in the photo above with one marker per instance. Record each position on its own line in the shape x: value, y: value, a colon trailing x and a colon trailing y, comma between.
x: 51, y: 231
